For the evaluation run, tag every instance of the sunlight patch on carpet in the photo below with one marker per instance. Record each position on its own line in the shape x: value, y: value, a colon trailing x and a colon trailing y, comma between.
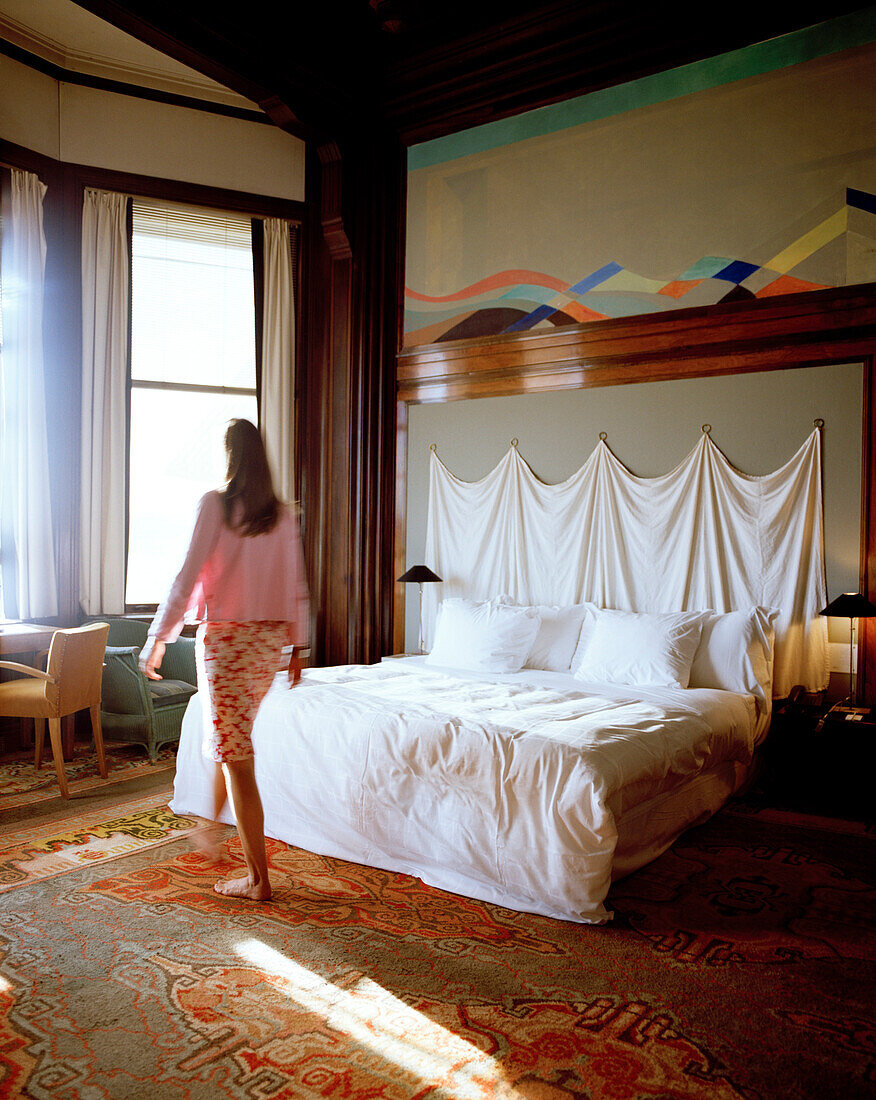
x: 370, y: 1015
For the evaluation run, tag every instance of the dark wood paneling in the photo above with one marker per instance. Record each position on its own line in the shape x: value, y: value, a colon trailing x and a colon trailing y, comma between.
x: 347, y: 380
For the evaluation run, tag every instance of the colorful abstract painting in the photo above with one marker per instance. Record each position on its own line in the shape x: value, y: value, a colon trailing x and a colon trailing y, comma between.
x: 520, y: 300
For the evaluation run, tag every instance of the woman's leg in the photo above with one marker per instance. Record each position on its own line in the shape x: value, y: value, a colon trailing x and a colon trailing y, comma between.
x: 239, y: 665
x: 247, y: 806
x: 209, y: 840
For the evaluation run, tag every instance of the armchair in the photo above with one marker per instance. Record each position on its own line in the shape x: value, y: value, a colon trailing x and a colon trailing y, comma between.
x: 71, y: 682
x: 135, y: 709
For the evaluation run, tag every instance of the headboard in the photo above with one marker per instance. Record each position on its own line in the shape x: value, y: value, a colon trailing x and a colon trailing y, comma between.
x: 795, y: 333
x: 702, y: 536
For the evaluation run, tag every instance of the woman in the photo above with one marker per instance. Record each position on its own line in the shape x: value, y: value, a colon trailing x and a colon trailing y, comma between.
x: 243, y: 577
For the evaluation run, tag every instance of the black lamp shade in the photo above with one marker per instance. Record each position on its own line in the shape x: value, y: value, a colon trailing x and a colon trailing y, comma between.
x: 422, y: 573
x: 850, y: 605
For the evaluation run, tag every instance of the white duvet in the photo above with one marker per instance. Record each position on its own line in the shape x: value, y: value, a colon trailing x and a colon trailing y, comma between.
x: 507, y: 788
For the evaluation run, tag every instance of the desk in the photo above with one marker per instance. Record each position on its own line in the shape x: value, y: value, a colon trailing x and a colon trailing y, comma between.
x: 24, y: 638
x: 28, y: 638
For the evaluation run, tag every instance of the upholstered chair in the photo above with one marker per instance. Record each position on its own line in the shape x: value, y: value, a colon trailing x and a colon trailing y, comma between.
x: 138, y: 710
x: 71, y: 682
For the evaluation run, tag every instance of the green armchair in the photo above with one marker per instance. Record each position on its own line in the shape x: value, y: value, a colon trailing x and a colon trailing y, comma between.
x: 135, y: 709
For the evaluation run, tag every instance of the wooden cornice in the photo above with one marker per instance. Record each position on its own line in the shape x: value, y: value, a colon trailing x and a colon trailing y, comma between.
x: 789, y: 331
x: 331, y: 202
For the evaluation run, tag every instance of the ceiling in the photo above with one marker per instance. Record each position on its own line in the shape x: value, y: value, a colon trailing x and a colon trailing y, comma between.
x: 421, y: 68
x: 69, y: 39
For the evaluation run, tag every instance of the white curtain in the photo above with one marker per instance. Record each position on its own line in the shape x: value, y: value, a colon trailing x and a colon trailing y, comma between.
x: 703, y: 536
x: 25, y: 500
x: 105, y: 310
x: 276, y: 411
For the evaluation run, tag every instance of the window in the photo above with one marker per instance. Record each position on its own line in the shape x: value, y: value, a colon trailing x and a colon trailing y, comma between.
x: 192, y: 369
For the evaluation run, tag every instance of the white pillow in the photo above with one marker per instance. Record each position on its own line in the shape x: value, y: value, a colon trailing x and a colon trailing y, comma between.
x: 585, y: 634
x: 485, y: 636
x: 644, y: 649
x: 557, y: 637
x: 736, y: 652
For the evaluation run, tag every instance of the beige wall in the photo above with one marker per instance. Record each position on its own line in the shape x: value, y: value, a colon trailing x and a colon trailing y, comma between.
x: 758, y: 421
x: 103, y: 129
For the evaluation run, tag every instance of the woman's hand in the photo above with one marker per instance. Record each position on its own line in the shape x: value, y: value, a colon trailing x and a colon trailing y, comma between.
x: 151, y: 656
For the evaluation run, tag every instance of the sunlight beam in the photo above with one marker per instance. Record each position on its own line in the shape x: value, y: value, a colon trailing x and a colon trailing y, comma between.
x: 370, y: 1015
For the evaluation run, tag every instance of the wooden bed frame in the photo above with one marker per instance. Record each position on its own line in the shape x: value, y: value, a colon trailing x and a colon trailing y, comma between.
x: 802, y: 330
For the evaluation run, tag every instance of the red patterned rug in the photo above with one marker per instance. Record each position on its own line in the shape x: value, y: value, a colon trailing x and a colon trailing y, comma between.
x: 22, y: 785
x: 740, y: 964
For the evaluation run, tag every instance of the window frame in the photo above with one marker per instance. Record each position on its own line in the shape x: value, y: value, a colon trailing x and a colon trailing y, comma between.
x: 256, y: 207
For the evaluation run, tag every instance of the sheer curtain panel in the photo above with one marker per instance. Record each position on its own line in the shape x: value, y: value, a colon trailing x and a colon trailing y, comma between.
x: 105, y: 313
x: 30, y: 587
x: 276, y: 411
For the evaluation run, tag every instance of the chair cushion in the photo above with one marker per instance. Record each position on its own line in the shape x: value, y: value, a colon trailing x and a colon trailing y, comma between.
x: 169, y: 692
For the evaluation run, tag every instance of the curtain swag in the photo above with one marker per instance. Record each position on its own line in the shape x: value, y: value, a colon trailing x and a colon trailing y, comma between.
x: 703, y: 536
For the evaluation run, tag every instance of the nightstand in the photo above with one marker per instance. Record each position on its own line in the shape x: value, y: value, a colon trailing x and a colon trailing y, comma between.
x: 822, y: 761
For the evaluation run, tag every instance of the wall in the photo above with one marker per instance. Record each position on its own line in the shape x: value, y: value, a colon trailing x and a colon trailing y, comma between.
x: 102, y: 129
x: 758, y: 421
x: 744, y: 176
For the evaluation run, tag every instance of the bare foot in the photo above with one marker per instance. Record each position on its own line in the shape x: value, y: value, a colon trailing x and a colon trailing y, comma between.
x: 244, y: 888
x: 209, y: 843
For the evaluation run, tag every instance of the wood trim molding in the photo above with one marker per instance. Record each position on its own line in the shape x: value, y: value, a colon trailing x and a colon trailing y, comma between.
x: 792, y: 331
x: 196, y: 194
x: 812, y: 329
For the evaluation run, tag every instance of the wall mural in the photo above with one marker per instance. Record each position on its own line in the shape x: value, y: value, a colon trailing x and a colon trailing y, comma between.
x: 748, y: 176
x: 518, y: 300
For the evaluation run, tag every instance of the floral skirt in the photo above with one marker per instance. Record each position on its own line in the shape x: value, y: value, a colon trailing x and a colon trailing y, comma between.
x: 237, y: 663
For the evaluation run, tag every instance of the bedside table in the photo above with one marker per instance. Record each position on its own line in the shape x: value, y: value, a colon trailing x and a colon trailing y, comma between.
x: 821, y: 761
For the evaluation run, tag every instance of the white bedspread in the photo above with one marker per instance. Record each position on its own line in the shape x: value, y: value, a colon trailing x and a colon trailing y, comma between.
x: 504, y: 788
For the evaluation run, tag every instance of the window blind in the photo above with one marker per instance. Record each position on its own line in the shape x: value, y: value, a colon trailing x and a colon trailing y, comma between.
x: 193, y: 316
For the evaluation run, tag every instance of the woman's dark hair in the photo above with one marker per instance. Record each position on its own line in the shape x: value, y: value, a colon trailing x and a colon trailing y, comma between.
x: 249, y: 503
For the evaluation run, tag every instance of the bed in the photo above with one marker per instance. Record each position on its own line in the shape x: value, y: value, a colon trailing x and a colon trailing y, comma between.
x: 531, y: 789
x: 548, y: 743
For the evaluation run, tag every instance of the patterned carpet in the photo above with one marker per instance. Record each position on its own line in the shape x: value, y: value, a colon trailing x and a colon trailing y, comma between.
x: 22, y: 785
x: 740, y: 964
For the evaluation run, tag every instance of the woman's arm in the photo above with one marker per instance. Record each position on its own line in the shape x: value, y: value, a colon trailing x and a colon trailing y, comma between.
x: 168, y: 621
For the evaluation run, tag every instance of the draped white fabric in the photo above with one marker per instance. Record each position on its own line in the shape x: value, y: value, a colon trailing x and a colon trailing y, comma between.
x: 105, y: 309
x: 703, y: 536
x: 278, y: 356
x: 25, y: 497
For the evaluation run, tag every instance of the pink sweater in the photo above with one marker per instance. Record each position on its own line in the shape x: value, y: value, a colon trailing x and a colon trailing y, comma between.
x: 229, y: 577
